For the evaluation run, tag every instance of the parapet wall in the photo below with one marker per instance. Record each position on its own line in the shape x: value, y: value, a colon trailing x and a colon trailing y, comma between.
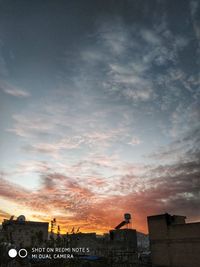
x: 174, y: 245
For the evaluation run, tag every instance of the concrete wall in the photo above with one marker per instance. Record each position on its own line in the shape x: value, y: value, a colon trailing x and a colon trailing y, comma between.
x: 174, y: 244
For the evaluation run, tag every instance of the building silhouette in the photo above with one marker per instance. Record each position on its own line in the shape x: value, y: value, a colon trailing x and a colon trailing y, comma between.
x: 24, y: 233
x: 174, y: 243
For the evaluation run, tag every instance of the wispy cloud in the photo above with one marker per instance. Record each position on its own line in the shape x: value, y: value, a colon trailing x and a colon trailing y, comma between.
x: 30, y: 125
x: 115, y: 37
x: 53, y: 149
x: 13, y: 90
x: 185, y: 118
x: 130, y: 57
x: 135, y: 141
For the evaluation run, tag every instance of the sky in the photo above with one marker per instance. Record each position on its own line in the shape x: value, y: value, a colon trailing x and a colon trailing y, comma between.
x: 99, y: 111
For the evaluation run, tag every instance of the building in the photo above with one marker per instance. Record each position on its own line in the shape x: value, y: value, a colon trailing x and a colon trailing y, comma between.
x: 173, y: 242
x: 126, y: 238
x: 117, y: 246
x: 24, y: 233
x: 83, y: 240
x: 120, y: 240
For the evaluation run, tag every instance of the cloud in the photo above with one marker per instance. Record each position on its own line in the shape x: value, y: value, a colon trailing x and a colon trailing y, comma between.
x: 151, y: 37
x: 67, y: 128
x: 31, y: 125
x: 183, y: 148
x: 184, y: 118
x: 18, y: 193
x: 13, y: 91
x: 57, y: 193
x: 53, y: 148
x: 129, y: 61
x: 32, y: 166
x: 131, y: 80
x: 135, y: 141
x: 90, y: 139
x: 90, y: 202
x: 115, y: 37
x: 143, y: 95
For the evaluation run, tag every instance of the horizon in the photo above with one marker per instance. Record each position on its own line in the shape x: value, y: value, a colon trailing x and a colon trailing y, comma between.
x: 69, y: 231
x: 99, y: 111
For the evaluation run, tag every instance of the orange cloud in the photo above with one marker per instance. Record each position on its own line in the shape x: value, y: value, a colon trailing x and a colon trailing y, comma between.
x: 83, y: 203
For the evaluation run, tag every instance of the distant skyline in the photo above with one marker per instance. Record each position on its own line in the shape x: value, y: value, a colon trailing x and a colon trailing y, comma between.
x: 99, y: 110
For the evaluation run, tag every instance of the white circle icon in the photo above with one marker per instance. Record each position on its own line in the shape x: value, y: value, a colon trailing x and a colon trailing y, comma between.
x: 12, y: 253
x: 22, y: 253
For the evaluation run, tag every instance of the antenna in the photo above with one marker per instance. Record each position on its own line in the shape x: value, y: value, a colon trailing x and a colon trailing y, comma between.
x: 58, y: 230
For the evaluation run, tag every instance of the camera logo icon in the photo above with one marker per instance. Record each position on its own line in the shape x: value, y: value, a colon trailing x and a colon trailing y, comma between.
x: 22, y: 253
x: 12, y: 253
